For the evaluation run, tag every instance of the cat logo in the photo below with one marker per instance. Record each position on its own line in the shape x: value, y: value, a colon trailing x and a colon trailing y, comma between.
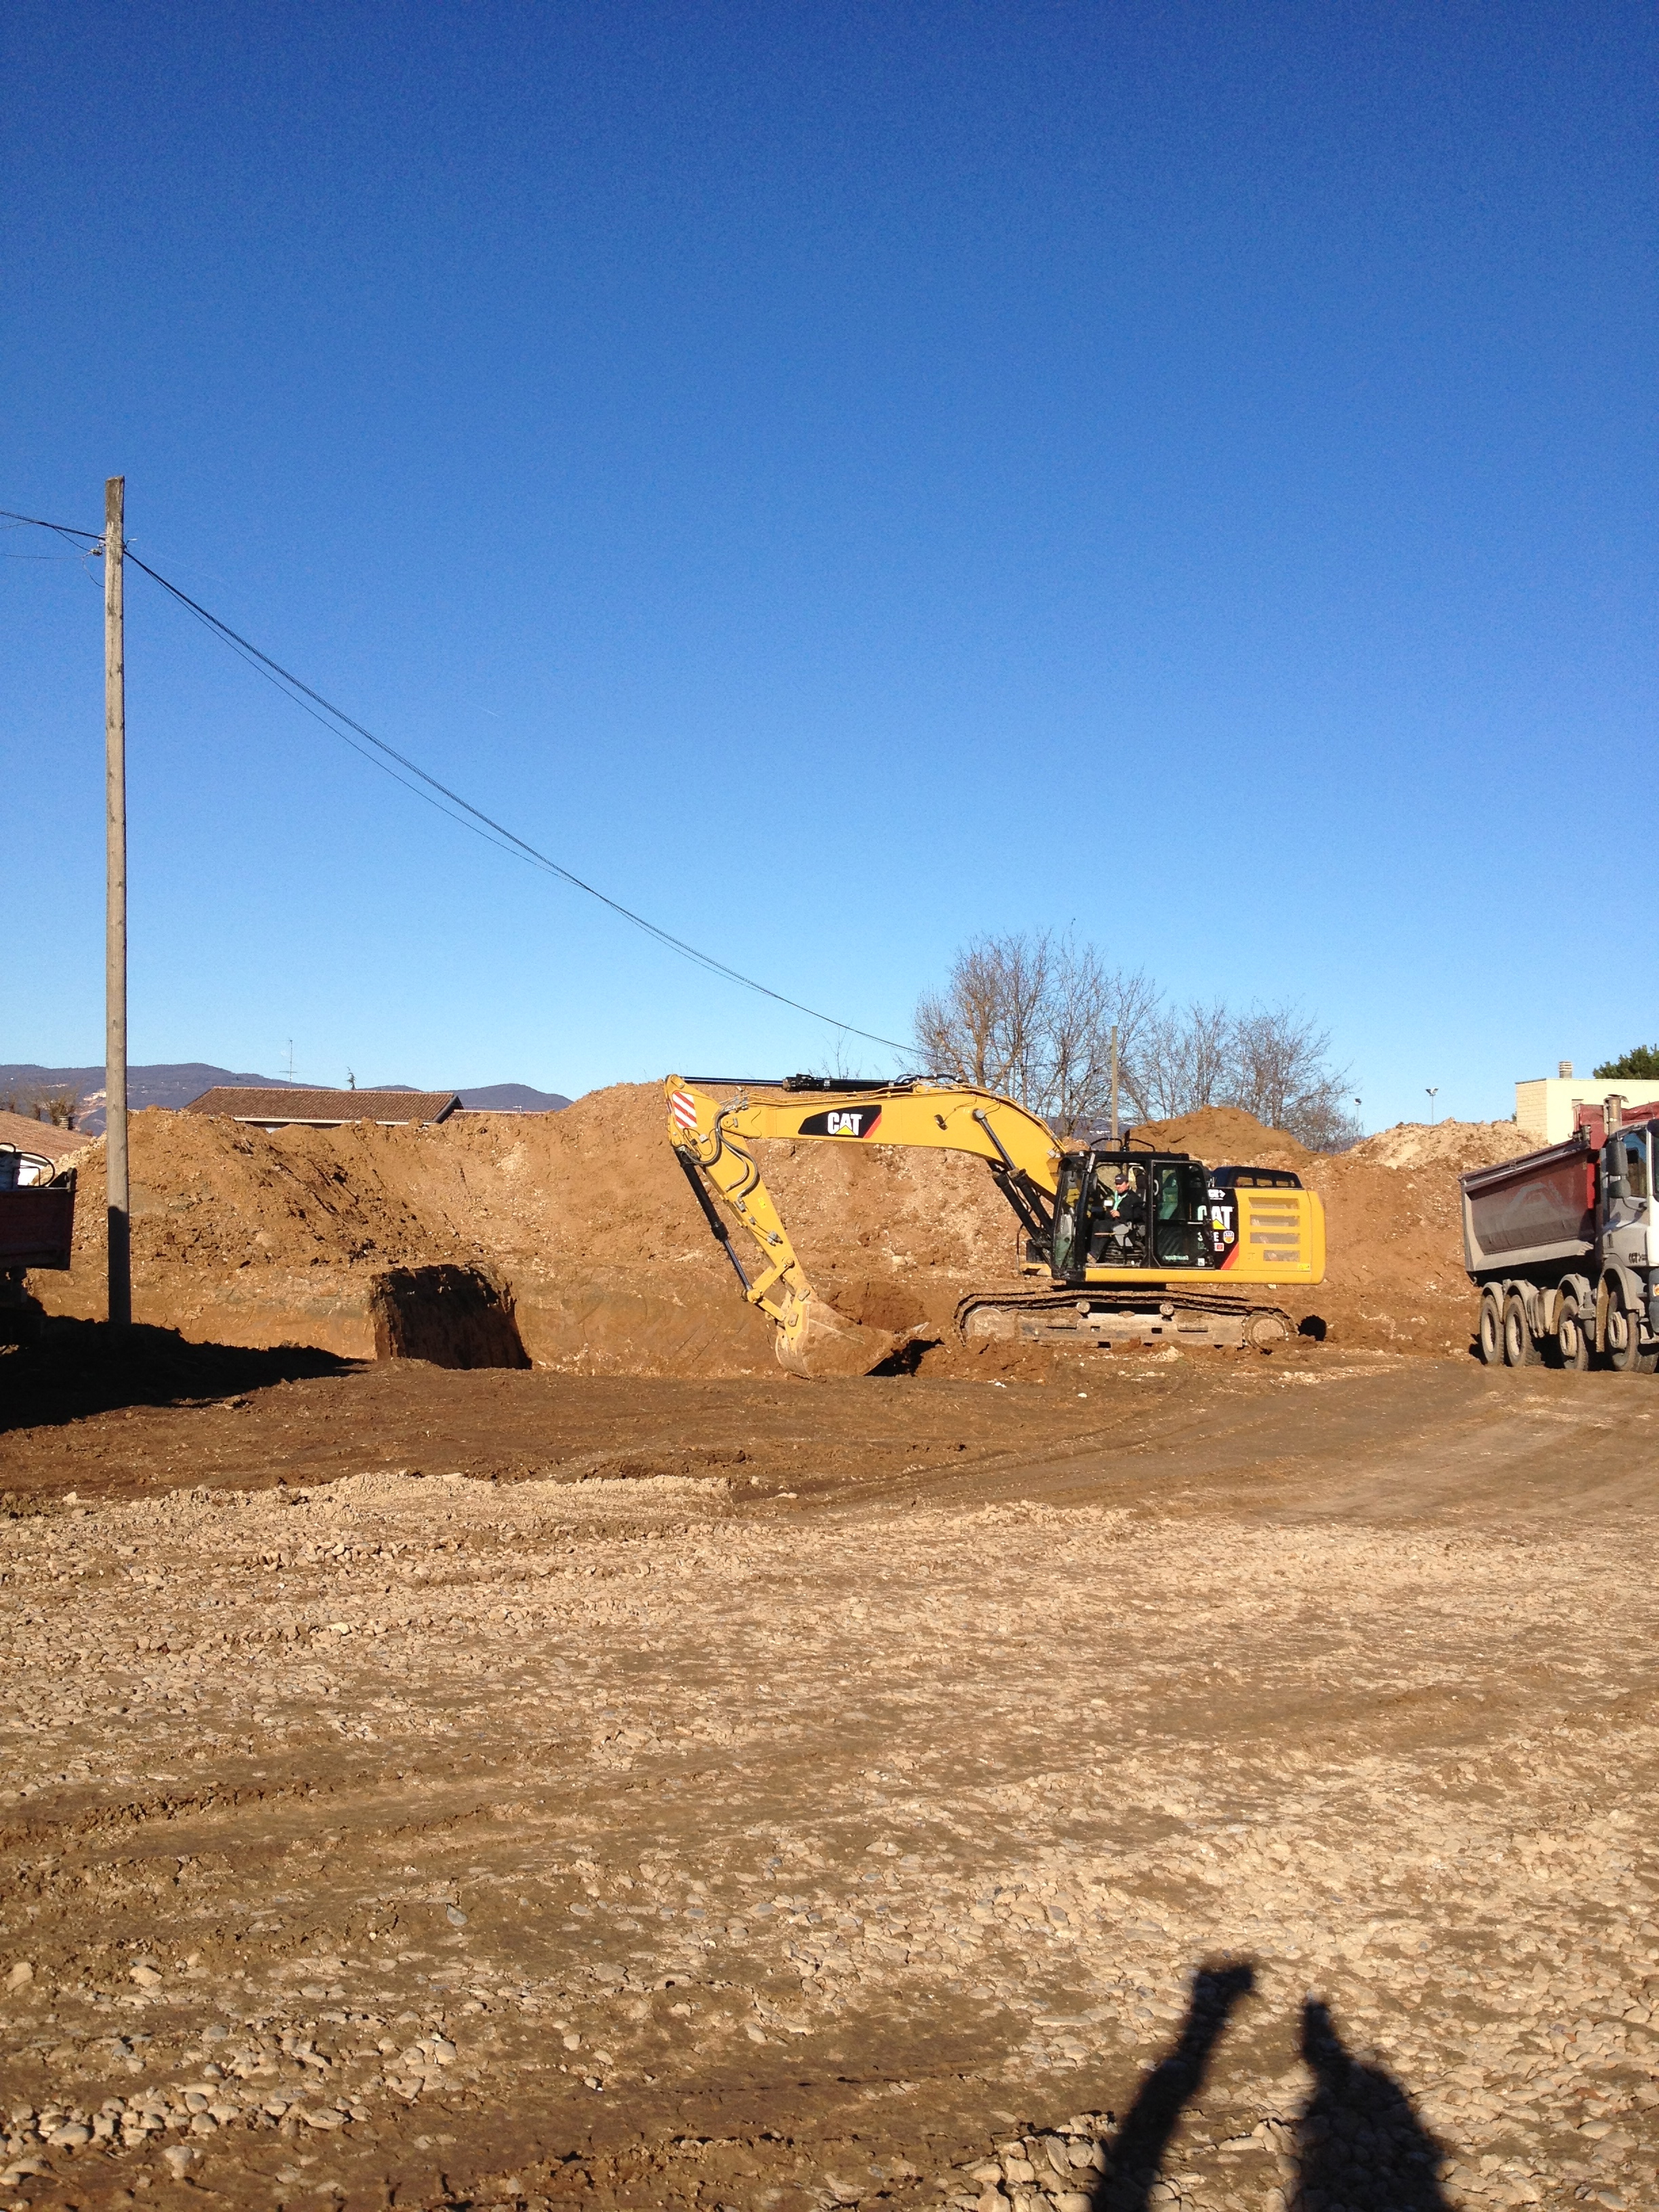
x: 842, y: 1122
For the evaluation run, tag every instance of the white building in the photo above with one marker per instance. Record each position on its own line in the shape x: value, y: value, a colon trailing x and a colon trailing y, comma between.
x: 1543, y: 1107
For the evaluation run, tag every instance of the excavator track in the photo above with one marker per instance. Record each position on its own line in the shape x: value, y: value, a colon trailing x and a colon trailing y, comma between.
x: 1069, y: 1318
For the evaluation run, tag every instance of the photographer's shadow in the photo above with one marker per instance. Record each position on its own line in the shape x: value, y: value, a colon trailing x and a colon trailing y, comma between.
x: 1358, y: 2142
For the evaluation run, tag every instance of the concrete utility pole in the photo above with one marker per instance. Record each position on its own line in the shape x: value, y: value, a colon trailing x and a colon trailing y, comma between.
x: 115, y: 912
x: 1117, y: 1132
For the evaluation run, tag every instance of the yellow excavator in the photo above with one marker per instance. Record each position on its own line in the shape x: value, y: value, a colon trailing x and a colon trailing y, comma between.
x: 1139, y: 1246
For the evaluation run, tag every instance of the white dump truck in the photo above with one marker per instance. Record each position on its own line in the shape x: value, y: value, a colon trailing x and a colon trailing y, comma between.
x: 1564, y: 1247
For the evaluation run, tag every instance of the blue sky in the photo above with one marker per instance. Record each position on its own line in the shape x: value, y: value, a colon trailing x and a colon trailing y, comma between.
x: 842, y: 479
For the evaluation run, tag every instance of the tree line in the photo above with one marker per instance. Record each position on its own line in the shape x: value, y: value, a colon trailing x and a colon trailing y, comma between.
x: 1031, y: 1014
x: 58, y: 1107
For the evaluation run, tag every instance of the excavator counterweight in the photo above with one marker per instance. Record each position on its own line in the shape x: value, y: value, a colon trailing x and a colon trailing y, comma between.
x: 1137, y: 1245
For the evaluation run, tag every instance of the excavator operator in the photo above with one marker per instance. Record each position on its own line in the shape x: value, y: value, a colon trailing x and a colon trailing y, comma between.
x: 1119, y: 1210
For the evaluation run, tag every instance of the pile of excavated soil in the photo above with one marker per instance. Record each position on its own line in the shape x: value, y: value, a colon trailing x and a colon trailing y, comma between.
x: 583, y: 1221
x: 1456, y: 1145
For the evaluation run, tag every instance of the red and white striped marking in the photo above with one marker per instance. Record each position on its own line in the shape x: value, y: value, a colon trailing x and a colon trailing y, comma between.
x: 683, y: 1108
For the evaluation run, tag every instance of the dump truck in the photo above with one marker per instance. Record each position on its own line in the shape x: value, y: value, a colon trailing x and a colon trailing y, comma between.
x: 37, y: 1229
x: 1137, y: 1245
x: 1564, y: 1248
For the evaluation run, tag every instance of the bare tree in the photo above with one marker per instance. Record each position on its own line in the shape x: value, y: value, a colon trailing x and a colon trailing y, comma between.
x: 58, y: 1107
x: 1187, y: 1063
x: 1031, y: 1015
x: 1282, y: 1074
x: 979, y: 1029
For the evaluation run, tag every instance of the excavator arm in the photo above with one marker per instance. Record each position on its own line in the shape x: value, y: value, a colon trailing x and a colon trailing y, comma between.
x: 711, y: 1138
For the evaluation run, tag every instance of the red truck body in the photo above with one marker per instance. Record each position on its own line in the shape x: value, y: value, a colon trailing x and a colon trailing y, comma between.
x: 1565, y: 1245
x: 37, y: 1224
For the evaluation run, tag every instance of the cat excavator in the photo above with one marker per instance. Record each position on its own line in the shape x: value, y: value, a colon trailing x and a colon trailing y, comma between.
x: 1138, y: 1245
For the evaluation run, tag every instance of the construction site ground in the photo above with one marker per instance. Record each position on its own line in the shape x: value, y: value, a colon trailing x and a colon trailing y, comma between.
x: 1211, y: 1780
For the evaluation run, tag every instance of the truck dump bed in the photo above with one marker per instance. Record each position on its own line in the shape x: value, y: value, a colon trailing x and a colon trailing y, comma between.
x: 37, y: 1222
x: 1531, y: 1212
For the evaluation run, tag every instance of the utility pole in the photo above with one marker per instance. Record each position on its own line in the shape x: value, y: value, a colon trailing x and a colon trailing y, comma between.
x: 1116, y: 1132
x: 115, y: 910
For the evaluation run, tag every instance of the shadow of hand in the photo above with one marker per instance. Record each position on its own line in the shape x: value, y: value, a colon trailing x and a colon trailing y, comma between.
x: 1135, y: 2154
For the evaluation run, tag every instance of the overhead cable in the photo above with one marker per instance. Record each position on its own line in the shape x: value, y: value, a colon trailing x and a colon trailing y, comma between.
x: 471, y: 817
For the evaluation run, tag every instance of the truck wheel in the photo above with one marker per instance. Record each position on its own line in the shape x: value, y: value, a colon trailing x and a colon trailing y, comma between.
x: 1519, y: 1349
x: 1492, y: 1329
x: 1572, y: 1338
x: 1625, y: 1353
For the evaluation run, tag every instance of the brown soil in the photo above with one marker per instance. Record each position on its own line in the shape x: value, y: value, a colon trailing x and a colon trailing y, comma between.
x: 581, y: 1224
x: 435, y: 1789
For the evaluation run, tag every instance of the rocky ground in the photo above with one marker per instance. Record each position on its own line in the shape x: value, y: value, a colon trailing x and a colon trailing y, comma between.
x: 1230, y: 1788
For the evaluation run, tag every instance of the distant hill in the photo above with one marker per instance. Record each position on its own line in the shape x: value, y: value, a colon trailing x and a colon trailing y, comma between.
x: 175, y: 1083
x: 512, y: 1098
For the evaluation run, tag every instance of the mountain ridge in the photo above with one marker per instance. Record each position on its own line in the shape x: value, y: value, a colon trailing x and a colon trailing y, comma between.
x: 174, y: 1084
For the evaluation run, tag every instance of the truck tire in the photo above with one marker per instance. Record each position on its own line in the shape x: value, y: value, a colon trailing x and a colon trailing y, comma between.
x: 1520, y: 1348
x: 1491, y: 1329
x: 1573, y: 1337
x: 1625, y: 1352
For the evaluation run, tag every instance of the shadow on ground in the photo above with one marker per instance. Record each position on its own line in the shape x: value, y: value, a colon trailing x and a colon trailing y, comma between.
x: 1134, y: 2155
x: 1357, y: 2142
x: 82, y: 1367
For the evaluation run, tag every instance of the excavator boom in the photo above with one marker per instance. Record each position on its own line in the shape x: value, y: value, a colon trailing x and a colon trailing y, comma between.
x: 711, y: 1136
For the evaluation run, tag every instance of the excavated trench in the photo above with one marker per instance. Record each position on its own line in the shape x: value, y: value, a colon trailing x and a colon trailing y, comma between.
x: 450, y: 1316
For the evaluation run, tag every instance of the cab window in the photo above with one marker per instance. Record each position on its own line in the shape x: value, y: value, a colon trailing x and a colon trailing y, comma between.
x: 1067, y: 1199
x: 1636, y: 1163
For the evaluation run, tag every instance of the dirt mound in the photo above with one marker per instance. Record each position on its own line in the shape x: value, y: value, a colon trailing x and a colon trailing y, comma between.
x: 80, y: 1368
x: 1456, y: 1145
x: 1225, y: 1136
x: 579, y: 1225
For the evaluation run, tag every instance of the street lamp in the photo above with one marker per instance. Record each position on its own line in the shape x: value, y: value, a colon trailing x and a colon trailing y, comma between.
x: 1434, y: 1089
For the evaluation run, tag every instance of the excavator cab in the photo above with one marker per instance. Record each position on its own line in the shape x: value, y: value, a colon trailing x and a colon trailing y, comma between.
x: 1117, y: 1209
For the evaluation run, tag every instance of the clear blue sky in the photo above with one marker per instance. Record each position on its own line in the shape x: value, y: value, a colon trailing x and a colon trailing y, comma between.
x: 842, y: 478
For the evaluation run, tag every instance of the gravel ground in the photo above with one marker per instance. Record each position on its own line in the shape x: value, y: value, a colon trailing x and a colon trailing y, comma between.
x: 1246, y: 1803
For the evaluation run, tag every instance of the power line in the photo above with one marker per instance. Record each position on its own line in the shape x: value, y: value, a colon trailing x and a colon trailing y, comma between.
x: 471, y: 817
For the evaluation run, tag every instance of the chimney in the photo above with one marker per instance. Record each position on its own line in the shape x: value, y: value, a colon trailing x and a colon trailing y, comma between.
x: 1564, y: 1069
x: 1612, y: 1110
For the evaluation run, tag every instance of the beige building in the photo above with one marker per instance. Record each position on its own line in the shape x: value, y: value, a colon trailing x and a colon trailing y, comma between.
x: 1543, y: 1106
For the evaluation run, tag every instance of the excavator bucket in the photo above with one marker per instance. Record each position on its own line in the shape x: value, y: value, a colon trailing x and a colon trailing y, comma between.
x: 813, y: 1339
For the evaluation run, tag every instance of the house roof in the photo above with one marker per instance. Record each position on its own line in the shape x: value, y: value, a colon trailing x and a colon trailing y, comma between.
x: 323, y: 1108
x: 50, y: 1142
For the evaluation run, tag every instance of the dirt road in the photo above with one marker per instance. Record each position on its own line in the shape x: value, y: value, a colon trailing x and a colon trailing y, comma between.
x: 432, y: 1788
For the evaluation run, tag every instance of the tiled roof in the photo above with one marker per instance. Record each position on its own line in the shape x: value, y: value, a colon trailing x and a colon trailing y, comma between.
x: 329, y: 1107
x: 31, y: 1136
